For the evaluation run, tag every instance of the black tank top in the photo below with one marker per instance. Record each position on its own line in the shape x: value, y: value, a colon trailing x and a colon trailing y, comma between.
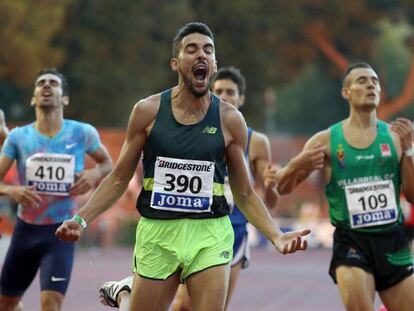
x: 184, y: 167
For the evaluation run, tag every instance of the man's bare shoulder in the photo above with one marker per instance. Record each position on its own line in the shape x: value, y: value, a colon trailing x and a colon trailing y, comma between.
x: 149, y: 104
x: 147, y: 108
x: 259, y: 144
x: 233, y: 124
x: 145, y: 111
x: 230, y: 114
x: 260, y: 137
x: 323, y: 137
x: 259, y: 148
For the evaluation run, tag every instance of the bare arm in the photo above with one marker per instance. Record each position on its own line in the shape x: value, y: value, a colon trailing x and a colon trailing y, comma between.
x: 103, y: 162
x: 88, y: 178
x: 5, y: 165
x: 313, y: 156
x: 24, y: 195
x: 3, y: 128
x: 115, y: 184
x: 402, y: 134
x: 261, y: 162
x: 245, y: 197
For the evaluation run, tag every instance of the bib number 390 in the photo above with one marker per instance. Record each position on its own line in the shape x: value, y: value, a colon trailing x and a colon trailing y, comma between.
x: 182, y: 183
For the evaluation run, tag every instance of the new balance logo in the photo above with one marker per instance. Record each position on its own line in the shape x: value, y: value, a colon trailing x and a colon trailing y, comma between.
x: 209, y: 130
x: 225, y: 254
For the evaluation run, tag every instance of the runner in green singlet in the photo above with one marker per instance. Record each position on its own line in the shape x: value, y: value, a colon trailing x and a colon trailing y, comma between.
x: 365, y: 162
x: 188, y: 137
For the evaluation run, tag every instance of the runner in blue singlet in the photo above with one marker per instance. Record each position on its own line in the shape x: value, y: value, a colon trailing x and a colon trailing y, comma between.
x: 49, y: 155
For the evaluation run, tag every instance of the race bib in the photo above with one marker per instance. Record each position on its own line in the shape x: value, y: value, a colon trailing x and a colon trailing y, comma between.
x: 371, y: 204
x: 183, y: 185
x: 51, y: 173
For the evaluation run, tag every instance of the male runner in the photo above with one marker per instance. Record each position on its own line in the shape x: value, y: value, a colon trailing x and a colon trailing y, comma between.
x: 50, y: 161
x: 188, y: 138
x: 229, y: 84
x: 366, y: 162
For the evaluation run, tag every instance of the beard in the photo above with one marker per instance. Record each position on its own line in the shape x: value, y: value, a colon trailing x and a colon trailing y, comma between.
x: 190, y: 86
x: 45, y: 104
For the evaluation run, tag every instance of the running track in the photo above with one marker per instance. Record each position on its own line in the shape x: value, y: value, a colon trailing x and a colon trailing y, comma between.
x: 297, y: 282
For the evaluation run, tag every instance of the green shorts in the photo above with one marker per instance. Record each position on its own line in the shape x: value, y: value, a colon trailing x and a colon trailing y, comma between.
x: 164, y: 247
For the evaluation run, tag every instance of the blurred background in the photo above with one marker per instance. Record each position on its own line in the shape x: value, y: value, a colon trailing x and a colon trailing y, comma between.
x: 293, y: 54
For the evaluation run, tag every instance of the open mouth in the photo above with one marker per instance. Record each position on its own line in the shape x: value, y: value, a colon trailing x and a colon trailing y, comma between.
x: 200, y: 72
x: 47, y: 94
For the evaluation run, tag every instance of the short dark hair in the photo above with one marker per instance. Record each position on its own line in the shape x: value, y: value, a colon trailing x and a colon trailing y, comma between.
x: 352, y: 67
x: 193, y: 27
x: 233, y: 74
x: 54, y: 71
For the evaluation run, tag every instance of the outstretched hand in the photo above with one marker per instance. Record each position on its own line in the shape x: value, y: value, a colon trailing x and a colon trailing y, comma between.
x: 291, y: 242
x: 69, y: 231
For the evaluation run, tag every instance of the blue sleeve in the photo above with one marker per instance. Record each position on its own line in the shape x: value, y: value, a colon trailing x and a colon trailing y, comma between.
x: 92, y: 140
x: 9, y: 148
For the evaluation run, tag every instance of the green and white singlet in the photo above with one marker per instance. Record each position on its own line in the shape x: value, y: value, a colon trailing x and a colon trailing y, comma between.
x: 363, y: 192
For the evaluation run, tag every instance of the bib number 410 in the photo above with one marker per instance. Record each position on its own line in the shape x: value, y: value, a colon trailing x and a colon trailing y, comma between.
x: 47, y: 172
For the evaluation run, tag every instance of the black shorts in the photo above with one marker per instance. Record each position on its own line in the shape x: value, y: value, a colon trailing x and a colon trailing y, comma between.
x: 409, y: 232
x: 33, y: 247
x: 386, y: 256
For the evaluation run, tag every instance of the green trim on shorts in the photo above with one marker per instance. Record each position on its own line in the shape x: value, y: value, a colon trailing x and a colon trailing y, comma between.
x: 403, y: 257
x: 165, y: 246
x: 218, y: 189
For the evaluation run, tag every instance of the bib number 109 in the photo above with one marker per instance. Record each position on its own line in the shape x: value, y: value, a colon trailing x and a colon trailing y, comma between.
x: 373, y: 202
x: 182, y: 183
